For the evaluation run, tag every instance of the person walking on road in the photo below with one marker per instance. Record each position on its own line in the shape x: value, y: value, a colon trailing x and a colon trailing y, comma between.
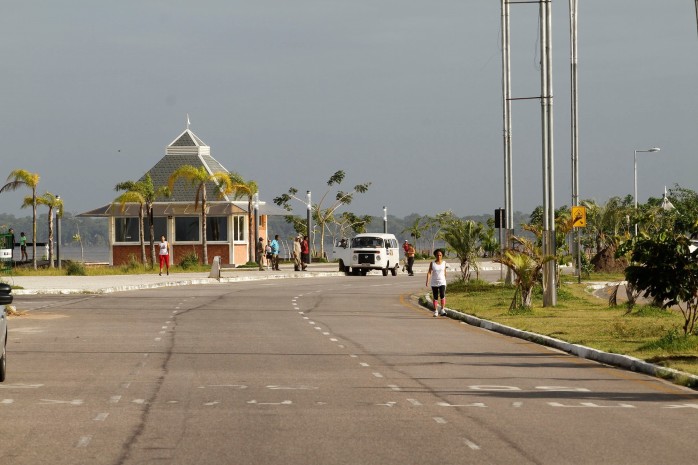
x: 436, y: 278
x: 297, y: 263
x: 164, y: 254
x: 305, y: 253
x: 409, y: 254
x: 259, y: 250
x: 275, y: 253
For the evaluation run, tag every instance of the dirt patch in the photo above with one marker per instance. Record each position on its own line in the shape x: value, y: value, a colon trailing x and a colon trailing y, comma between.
x: 37, y: 316
x: 606, y: 262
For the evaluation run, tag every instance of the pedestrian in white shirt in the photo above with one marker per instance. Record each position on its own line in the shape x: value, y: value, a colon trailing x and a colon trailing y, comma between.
x: 436, y: 278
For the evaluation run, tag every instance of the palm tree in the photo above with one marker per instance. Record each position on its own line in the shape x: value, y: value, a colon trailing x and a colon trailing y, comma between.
x: 324, y: 217
x: 51, y: 201
x: 149, y: 195
x: 199, y: 177
x: 527, y: 265
x: 238, y: 188
x: 31, y: 180
x: 134, y: 196
x: 463, y: 237
x: 415, y: 231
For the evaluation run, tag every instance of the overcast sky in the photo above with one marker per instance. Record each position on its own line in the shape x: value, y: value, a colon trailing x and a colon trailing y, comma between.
x: 405, y: 94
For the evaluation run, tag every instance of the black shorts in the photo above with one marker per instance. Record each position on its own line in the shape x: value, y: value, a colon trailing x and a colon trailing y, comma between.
x: 438, y: 291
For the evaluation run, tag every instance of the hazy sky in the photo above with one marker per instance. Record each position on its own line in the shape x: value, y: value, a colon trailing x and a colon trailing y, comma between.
x: 403, y: 93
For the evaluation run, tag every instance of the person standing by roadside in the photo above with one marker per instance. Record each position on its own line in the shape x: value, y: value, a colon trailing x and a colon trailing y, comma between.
x: 275, y: 247
x: 405, y: 246
x: 12, y: 245
x: 23, y: 246
x: 436, y: 277
x: 305, y: 252
x: 267, y: 253
x: 410, y: 258
x: 297, y: 249
x: 259, y: 250
x: 164, y: 254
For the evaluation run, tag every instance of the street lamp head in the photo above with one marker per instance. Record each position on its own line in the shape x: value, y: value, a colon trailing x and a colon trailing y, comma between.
x: 654, y: 149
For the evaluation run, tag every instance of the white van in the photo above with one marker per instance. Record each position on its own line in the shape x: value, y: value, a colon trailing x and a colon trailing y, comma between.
x: 368, y: 251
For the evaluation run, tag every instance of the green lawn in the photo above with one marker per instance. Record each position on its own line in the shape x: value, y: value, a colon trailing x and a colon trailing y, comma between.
x: 646, y: 333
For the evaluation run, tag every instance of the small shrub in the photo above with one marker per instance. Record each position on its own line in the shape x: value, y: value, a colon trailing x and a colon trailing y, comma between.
x: 190, y: 260
x: 673, y: 342
x: 132, y: 264
x: 75, y: 269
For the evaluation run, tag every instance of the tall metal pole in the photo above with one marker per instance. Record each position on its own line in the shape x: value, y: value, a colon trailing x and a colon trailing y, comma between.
x: 385, y: 220
x: 549, y: 270
x: 256, y: 224
x: 310, y: 227
x: 506, y: 116
x: 575, y: 129
x: 635, y: 187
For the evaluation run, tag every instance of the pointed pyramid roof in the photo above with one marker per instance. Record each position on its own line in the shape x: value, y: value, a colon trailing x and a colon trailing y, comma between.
x: 187, y: 149
x: 188, y: 143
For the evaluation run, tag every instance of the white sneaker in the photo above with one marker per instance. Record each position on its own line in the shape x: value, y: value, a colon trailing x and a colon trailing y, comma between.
x: 443, y: 312
x: 436, y: 313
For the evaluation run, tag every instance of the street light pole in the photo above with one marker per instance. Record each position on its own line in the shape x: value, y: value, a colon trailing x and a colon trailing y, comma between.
x: 653, y: 149
x: 385, y: 220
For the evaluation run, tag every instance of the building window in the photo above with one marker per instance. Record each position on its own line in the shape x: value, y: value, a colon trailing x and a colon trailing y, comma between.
x: 126, y: 229
x: 217, y: 228
x: 187, y: 229
x: 159, y: 228
x: 239, y: 227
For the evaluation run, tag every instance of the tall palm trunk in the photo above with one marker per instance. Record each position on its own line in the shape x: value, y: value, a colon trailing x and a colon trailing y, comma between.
x: 50, y: 237
x: 251, y: 240
x: 141, y: 232
x: 151, y: 225
x: 34, y: 228
x: 204, y: 243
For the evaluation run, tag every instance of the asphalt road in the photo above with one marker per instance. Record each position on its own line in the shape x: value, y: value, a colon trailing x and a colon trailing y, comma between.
x: 344, y: 370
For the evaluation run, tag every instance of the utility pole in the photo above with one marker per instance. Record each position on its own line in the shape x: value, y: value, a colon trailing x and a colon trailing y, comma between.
x: 575, y: 131
x: 506, y: 113
x: 549, y: 248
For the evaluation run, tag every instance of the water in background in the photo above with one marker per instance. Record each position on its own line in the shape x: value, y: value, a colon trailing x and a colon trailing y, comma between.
x: 91, y: 254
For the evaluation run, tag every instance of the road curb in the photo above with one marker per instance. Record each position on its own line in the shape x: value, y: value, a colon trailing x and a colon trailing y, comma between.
x: 622, y: 361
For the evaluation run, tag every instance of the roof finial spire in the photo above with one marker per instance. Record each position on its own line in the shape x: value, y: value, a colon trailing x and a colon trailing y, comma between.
x: 188, y: 123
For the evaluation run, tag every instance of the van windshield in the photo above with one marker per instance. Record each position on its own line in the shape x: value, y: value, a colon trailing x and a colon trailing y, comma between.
x: 358, y: 242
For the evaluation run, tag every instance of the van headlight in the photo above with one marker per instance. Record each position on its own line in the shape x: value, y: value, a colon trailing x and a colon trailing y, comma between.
x: 378, y: 257
x: 355, y: 258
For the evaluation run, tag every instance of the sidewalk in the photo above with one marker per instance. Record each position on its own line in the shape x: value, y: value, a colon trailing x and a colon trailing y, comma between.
x: 115, y: 283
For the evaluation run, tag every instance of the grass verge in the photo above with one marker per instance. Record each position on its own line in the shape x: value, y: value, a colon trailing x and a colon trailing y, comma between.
x: 646, y: 333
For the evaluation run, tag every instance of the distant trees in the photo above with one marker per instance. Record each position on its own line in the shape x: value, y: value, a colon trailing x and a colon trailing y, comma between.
x: 323, y: 214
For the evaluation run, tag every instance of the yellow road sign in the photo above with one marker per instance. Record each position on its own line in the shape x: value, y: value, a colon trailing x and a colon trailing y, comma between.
x: 579, y: 216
